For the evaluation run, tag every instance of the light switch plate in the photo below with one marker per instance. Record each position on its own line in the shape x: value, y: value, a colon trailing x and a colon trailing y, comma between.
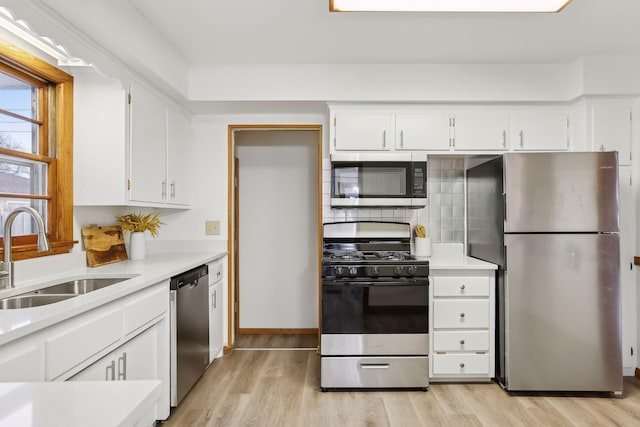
x: 212, y: 228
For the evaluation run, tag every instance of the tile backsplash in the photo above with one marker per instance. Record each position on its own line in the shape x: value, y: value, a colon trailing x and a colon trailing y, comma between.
x: 443, y: 216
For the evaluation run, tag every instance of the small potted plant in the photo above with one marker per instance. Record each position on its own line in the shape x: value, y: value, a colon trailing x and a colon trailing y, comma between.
x: 137, y: 224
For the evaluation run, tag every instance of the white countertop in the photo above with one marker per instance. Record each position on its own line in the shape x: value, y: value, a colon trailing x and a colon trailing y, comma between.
x: 459, y: 263
x: 76, y: 403
x: 450, y: 256
x: 155, y: 268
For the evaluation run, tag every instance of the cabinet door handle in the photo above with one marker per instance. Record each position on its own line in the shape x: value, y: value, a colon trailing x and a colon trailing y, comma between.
x: 521, y: 139
x: 602, y: 148
x: 173, y: 190
x: 112, y: 366
x: 122, y: 366
x: 462, y: 315
x: 215, y: 299
x: 384, y: 139
x: 402, y: 138
x: 164, y: 189
x: 504, y: 139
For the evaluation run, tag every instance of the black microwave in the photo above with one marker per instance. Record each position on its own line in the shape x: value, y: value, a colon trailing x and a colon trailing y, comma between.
x: 381, y: 180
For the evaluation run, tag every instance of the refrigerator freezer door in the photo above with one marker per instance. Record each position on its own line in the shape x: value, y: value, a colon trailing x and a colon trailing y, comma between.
x: 563, y: 312
x: 561, y: 192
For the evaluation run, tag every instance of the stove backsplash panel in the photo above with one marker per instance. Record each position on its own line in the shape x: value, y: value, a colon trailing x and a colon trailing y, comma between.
x: 443, y: 216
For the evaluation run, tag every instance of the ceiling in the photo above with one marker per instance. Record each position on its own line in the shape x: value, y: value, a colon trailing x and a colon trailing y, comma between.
x: 305, y: 32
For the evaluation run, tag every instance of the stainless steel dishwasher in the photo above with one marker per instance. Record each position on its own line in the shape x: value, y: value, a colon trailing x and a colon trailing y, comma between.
x: 189, y: 330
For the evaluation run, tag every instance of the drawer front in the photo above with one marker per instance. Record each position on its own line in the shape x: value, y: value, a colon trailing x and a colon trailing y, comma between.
x: 91, y: 334
x: 215, y: 272
x: 461, y: 314
x: 461, y: 286
x: 460, y: 364
x: 20, y: 362
x: 348, y: 372
x: 461, y: 341
x: 146, y: 307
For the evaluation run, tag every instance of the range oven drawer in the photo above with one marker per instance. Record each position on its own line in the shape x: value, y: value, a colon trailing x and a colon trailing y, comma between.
x: 374, y: 372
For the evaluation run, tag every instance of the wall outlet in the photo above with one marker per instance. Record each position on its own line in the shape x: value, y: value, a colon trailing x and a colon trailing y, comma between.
x: 212, y: 228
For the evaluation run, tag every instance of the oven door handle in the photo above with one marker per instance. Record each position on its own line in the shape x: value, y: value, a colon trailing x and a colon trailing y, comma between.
x: 376, y: 283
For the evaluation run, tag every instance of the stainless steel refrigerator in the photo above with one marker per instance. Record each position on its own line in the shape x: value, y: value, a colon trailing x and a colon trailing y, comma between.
x: 550, y: 221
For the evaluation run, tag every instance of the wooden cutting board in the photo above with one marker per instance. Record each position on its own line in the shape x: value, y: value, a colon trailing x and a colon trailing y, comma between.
x: 103, y: 244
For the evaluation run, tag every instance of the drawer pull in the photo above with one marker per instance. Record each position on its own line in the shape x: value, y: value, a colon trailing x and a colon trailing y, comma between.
x: 462, y: 365
x: 462, y: 287
x: 462, y: 315
x: 374, y: 365
x: 461, y: 342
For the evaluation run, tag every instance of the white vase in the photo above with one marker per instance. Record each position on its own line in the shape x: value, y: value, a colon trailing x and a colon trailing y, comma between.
x: 422, y: 246
x: 137, y: 245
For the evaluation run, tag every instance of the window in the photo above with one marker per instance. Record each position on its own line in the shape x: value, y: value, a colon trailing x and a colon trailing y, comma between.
x: 35, y: 149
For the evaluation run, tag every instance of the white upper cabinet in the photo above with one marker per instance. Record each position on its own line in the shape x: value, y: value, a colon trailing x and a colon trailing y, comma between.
x: 100, y: 140
x: 178, y: 148
x: 131, y: 148
x: 540, y: 131
x: 611, y: 128
x: 423, y: 130
x: 159, y: 151
x: 367, y: 131
x: 148, y: 147
x: 449, y: 129
x: 480, y: 130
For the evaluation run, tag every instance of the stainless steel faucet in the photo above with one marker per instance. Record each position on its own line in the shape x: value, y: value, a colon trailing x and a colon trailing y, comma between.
x: 6, y: 267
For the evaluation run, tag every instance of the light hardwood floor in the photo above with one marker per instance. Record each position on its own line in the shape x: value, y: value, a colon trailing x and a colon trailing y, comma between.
x: 276, y: 341
x: 281, y: 388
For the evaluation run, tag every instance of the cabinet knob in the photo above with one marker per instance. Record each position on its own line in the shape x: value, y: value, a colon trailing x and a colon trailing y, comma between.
x: 462, y: 315
x: 462, y: 287
x: 462, y: 365
x: 461, y: 342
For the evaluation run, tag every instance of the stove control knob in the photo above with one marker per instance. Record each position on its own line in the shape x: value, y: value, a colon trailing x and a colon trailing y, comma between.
x: 353, y: 271
x: 375, y: 270
x: 411, y: 270
x: 338, y: 271
x: 398, y: 270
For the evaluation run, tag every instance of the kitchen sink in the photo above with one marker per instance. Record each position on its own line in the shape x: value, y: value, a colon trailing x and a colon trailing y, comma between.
x: 80, y: 286
x: 29, y: 300
x: 60, y: 292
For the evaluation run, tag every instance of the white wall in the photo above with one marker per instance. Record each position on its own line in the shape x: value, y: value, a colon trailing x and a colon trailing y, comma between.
x: 278, y: 242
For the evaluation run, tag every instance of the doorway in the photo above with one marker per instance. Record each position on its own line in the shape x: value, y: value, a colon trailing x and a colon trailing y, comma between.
x: 275, y: 218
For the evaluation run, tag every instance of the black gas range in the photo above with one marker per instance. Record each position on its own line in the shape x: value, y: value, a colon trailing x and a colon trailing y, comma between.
x: 374, y: 307
x: 347, y: 264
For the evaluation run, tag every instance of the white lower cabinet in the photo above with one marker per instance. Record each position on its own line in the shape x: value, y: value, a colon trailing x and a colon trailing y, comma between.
x: 216, y: 307
x: 462, y: 325
x: 135, y: 360
x: 126, y: 339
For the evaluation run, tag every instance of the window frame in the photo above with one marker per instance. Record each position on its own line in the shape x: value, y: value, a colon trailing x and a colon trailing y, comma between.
x: 60, y: 166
